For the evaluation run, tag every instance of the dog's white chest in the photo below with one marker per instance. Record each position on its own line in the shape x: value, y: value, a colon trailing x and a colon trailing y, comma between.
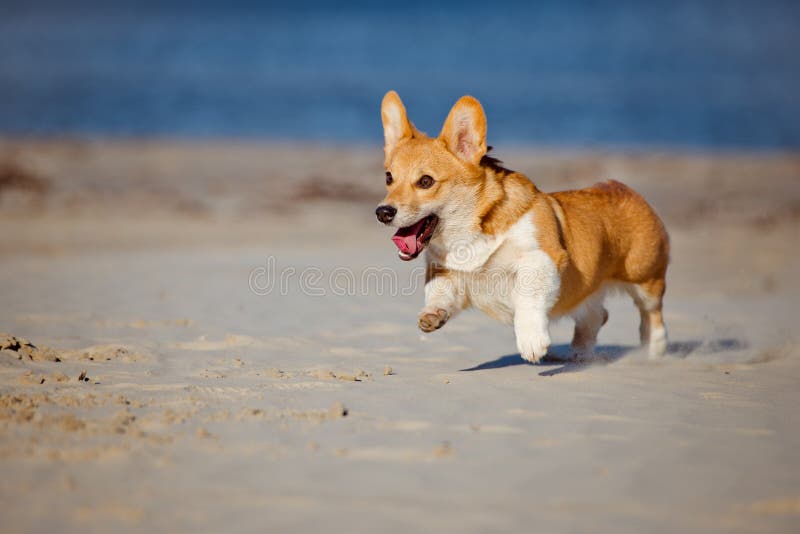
x: 500, y: 266
x: 492, y: 286
x: 491, y: 292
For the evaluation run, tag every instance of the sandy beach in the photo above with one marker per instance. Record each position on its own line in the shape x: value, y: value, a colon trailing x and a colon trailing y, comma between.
x: 202, y: 336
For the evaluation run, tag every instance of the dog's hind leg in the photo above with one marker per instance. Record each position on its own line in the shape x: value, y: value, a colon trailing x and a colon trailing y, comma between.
x: 648, y: 297
x: 589, y: 318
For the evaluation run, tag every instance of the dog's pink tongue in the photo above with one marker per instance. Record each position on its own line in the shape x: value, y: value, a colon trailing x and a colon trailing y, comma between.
x: 406, y: 238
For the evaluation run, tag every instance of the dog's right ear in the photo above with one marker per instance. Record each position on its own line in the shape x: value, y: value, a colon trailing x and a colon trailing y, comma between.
x: 396, y: 125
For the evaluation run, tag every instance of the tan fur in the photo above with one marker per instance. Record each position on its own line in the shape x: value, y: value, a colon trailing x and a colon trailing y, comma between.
x: 603, y: 234
x: 610, y: 233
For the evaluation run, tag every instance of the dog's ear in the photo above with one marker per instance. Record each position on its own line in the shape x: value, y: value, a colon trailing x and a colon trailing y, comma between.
x: 396, y: 125
x: 464, y: 130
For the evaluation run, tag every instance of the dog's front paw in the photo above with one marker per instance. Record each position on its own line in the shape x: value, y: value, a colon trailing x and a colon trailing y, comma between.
x: 533, y: 347
x: 431, y: 319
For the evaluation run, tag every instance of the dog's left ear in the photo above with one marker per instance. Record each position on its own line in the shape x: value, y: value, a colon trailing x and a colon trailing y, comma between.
x: 464, y: 130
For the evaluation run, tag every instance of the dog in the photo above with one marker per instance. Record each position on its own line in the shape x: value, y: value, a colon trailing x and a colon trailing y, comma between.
x: 494, y: 241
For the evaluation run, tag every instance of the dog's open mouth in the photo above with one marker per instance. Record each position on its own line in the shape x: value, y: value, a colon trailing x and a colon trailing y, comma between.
x: 411, y: 240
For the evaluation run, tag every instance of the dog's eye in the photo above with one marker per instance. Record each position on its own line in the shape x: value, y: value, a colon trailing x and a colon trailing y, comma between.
x: 425, y: 182
x: 389, y: 178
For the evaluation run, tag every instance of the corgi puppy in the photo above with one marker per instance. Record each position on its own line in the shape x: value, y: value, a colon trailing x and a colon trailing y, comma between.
x: 496, y: 242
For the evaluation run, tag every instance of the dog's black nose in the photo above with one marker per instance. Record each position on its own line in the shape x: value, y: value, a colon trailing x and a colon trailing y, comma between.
x: 385, y: 214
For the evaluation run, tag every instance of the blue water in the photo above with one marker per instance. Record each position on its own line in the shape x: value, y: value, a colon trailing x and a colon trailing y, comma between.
x: 720, y: 73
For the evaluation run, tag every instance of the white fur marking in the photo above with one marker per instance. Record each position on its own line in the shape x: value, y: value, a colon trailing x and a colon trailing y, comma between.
x: 440, y: 292
x: 535, y: 291
x: 658, y: 342
x: 533, y: 287
x: 589, y: 317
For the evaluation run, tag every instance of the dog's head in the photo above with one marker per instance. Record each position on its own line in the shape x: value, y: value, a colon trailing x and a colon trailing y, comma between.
x: 431, y: 183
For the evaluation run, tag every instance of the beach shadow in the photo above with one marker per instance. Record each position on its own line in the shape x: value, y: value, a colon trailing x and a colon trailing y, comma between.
x: 558, y: 359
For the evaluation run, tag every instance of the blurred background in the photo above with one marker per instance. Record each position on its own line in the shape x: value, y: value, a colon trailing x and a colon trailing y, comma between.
x: 710, y: 74
x: 155, y: 154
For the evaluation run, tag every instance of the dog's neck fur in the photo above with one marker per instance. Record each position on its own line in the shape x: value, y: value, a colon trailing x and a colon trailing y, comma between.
x: 508, y: 196
x: 502, y: 199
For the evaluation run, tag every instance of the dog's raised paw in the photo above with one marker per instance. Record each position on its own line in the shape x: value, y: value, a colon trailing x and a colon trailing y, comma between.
x: 431, y: 319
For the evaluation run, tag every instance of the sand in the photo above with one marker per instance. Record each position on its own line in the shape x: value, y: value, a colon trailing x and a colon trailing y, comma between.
x: 147, y: 384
